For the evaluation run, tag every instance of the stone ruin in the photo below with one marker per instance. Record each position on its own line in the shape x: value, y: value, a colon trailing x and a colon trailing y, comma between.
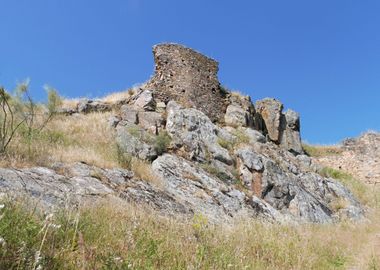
x: 189, y: 78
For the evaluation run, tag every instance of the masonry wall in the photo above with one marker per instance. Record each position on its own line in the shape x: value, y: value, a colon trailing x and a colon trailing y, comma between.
x: 188, y: 77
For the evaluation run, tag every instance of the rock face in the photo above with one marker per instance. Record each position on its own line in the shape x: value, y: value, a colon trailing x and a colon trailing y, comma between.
x: 188, y: 77
x: 269, y: 117
x: 195, y: 131
x: 81, y: 182
x: 240, y: 112
x: 188, y: 189
x: 290, y: 132
x: 282, y: 129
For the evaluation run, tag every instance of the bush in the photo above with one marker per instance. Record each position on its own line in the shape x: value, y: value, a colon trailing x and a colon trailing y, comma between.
x: 20, y: 110
x: 162, y: 142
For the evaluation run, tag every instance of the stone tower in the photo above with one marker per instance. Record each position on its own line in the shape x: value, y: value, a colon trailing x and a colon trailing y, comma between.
x: 188, y: 77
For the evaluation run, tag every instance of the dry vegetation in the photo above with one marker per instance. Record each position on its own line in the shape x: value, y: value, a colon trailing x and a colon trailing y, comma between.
x: 115, y: 235
x: 86, y: 138
x: 321, y: 150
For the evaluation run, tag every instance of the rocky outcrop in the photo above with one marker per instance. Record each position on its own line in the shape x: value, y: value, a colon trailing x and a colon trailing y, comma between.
x: 214, y: 153
x: 134, y: 141
x: 290, y: 132
x: 85, y: 106
x: 269, y: 111
x: 281, y: 128
x: 358, y: 156
x: 193, y: 130
x: 189, y: 78
x: 198, y: 176
x: 75, y: 184
x: 240, y: 111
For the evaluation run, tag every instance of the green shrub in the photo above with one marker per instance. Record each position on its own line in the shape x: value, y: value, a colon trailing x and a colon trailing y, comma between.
x: 162, y: 142
x: 226, y: 144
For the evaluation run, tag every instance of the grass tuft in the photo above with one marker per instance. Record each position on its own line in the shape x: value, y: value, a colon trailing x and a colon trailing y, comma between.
x: 321, y: 151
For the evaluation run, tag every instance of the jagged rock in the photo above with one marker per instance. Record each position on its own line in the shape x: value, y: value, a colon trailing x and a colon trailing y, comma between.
x: 240, y: 112
x: 145, y: 101
x: 269, y: 112
x: 151, y: 121
x: 236, y: 116
x: 194, y: 130
x: 266, y: 212
x: 290, y: 136
x: 254, y: 136
x: 81, y: 182
x: 188, y: 77
x: 250, y: 159
x: 88, y: 106
x: 130, y: 139
x: 192, y: 186
x: 307, y: 197
x: 128, y: 114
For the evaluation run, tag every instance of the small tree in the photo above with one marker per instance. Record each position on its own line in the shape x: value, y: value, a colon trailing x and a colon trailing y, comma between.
x: 21, y: 109
x: 8, y: 120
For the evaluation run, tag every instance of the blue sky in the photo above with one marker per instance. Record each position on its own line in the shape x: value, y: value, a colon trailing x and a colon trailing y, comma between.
x: 319, y: 57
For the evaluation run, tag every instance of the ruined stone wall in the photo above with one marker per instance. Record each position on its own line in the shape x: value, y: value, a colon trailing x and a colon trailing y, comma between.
x: 188, y: 77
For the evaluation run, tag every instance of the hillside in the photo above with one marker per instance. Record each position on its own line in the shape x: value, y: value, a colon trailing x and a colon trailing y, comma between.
x: 182, y: 153
x: 358, y: 156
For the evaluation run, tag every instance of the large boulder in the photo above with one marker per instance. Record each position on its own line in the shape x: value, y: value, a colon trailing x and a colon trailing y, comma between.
x: 151, y: 121
x: 134, y: 141
x: 145, y: 101
x: 269, y: 111
x: 240, y: 112
x: 195, y: 131
x: 290, y: 132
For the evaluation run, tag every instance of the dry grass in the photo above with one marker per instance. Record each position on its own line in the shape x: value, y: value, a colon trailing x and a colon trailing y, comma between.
x: 143, y: 170
x: 321, y: 150
x: 70, y: 103
x: 116, y: 235
x: 86, y: 138
x: 117, y: 96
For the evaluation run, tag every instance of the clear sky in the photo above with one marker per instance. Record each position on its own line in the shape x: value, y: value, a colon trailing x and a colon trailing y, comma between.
x: 319, y: 57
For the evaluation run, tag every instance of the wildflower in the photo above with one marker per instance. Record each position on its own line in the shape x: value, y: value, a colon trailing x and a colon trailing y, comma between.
x: 2, y: 206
